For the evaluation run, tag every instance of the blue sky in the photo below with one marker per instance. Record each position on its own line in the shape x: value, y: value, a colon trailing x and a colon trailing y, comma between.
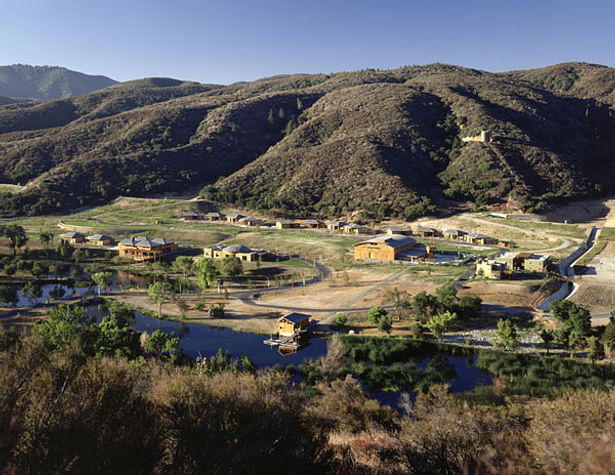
x: 227, y: 41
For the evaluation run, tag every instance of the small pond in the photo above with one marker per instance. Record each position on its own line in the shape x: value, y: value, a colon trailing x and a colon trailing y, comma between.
x: 48, y: 291
x: 205, y: 340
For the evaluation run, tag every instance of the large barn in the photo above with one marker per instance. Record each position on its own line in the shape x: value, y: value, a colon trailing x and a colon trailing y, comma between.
x: 387, y: 247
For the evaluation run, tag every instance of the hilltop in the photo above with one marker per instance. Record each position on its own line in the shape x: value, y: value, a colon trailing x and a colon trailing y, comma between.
x: 47, y: 82
x: 367, y: 143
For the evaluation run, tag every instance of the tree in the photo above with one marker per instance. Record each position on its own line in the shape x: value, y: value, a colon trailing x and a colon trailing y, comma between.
x: 375, y: 314
x: 341, y: 320
x: 102, y: 279
x: 547, y: 336
x: 232, y: 266
x: 185, y: 266
x: 400, y: 301
x: 424, y: 305
x: 575, y: 318
x: 8, y: 294
x: 608, y: 337
x: 46, y: 237
x: 17, y: 236
x: 440, y: 323
x: 506, y: 335
x: 469, y: 306
x: 115, y: 335
x: 157, y: 292
x: 37, y: 270
x: 385, y: 324
x: 596, y: 349
x: 206, y: 273
x: 160, y: 342
x: 447, y: 298
x: 31, y: 291
x: 65, y: 325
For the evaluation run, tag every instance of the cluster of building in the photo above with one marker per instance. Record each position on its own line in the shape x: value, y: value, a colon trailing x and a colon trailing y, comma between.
x: 139, y: 249
x: 347, y: 228
x: 508, y: 263
x: 249, y: 221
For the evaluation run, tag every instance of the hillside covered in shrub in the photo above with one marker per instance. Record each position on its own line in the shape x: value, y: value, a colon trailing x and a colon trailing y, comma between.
x: 368, y: 143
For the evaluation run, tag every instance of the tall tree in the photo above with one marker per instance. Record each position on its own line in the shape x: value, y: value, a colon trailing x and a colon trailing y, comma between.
x: 17, y: 236
x: 46, y: 237
x: 157, y: 292
x: 440, y: 323
x: 206, y: 273
x: 102, y: 279
x: 400, y: 301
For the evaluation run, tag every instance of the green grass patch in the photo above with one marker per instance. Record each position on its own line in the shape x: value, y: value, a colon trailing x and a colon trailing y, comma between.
x: 569, y: 230
x: 607, y: 234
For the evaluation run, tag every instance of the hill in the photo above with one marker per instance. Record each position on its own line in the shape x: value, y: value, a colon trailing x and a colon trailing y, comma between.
x: 368, y: 143
x: 47, y: 82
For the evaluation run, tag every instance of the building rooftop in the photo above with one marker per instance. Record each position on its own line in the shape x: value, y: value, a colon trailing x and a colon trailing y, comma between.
x: 458, y: 232
x: 215, y: 214
x: 73, y: 234
x: 141, y: 241
x: 295, y: 317
x: 424, y: 229
x: 336, y: 223
x: 312, y: 221
x: 234, y: 248
x: 98, y: 237
x: 398, y: 228
x: 393, y: 240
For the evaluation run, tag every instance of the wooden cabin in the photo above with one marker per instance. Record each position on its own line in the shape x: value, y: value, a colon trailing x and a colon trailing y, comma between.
x: 190, y: 216
x: 286, y: 224
x: 387, y: 247
x: 399, y: 230
x: 141, y: 249
x: 356, y: 229
x: 72, y: 237
x: 428, y: 232
x: 293, y: 324
x: 234, y: 218
x: 454, y: 234
x: 251, y: 222
x: 215, y: 216
x: 100, y: 240
x: 336, y: 226
x: 314, y: 224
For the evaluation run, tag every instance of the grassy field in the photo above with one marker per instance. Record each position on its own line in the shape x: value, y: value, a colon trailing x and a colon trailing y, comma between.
x: 607, y: 234
x: 568, y: 230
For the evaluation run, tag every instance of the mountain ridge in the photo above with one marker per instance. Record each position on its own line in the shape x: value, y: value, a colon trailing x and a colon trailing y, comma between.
x: 367, y: 144
x: 47, y: 82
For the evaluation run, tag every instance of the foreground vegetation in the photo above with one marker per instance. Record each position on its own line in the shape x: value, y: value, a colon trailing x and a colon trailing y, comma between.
x: 86, y: 405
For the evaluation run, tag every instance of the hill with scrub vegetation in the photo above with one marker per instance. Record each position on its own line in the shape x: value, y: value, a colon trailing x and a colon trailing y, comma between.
x: 47, y: 82
x: 369, y: 143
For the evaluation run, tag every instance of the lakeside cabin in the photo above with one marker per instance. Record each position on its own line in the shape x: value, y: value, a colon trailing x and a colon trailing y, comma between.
x: 490, y: 269
x: 141, y: 249
x: 387, y: 247
x: 100, y: 240
x: 72, y: 237
x: 293, y: 324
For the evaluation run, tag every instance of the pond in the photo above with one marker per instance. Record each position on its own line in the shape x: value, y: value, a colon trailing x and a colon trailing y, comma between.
x: 203, y: 340
x: 48, y: 292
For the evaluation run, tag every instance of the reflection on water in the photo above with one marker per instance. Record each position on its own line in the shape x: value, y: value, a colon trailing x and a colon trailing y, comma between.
x: 51, y: 292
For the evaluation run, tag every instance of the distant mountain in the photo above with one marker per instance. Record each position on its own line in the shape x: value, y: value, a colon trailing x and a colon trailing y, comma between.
x: 47, y: 82
x: 368, y: 143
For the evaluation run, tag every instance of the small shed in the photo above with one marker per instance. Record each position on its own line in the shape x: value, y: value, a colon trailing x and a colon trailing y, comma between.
x: 293, y: 324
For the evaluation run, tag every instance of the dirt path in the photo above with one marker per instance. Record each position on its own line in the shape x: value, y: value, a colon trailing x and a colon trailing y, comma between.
x: 565, y: 242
